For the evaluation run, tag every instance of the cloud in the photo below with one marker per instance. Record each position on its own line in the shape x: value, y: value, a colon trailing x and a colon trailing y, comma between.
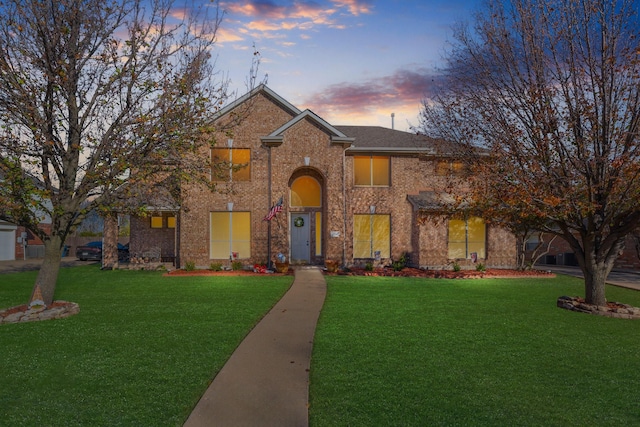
x: 356, y: 7
x: 400, y: 89
x: 272, y: 16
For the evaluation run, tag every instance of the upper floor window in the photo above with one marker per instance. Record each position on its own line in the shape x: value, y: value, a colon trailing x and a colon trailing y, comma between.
x: 449, y: 167
x: 371, y: 171
x: 233, y: 164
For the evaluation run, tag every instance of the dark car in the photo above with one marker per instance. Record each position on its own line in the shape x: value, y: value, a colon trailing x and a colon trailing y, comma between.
x: 93, y: 251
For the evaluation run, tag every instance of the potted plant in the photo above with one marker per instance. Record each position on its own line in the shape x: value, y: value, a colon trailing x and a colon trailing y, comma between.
x: 332, y: 265
x: 282, y: 265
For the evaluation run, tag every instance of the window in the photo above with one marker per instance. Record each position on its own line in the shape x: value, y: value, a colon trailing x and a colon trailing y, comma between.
x: 156, y: 222
x: 230, y: 232
x: 231, y: 163
x: 371, y: 233
x: 371, y: 170
x: 305, y: 191
x: 318, y: 233
x: 449, y: 167
x: 171, y: 222
x: 467, y: 237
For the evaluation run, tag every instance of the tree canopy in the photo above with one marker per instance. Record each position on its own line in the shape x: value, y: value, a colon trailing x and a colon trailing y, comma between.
x: 551, y: 88
x: 96, y: 95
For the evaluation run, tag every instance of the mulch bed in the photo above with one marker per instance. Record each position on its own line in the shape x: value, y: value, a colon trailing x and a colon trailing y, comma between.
x: 223, y: 273
x: 445, y: 274
x: 387, y: 272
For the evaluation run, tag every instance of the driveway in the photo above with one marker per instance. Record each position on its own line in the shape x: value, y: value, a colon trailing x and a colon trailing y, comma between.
x: 623, y: 278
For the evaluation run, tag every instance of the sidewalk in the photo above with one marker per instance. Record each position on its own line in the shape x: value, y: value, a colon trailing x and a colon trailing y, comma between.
x: 266, y: 380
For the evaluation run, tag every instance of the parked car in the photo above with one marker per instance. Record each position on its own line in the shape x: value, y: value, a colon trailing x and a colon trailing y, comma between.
x: 93, y: 251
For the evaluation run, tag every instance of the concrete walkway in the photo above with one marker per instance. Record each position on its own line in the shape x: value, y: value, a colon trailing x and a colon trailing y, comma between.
x: 266, y: 380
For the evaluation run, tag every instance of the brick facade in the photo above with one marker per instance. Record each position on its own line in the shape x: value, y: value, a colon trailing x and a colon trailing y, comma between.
x: 285, y: 144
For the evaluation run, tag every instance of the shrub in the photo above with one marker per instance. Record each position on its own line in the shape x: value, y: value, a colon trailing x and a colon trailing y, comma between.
x: 400, y: 263
x: 456, y: 266
x: 236, y: 265
x: 215, y: 266
x: 190, y: 265
x: 368, y: 266
x: 480, y: 267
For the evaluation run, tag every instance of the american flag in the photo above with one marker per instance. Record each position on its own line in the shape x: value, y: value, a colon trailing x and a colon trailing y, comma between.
x: 274, y: 210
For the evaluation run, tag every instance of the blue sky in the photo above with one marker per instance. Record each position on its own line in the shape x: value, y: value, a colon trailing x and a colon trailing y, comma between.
x: 349, y: 61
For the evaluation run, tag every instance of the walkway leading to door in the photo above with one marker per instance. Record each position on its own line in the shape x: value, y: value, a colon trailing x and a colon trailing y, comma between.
x: 266, y: 380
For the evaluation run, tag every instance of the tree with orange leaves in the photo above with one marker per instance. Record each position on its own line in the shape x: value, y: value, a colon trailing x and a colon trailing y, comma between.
x: 551, y: 90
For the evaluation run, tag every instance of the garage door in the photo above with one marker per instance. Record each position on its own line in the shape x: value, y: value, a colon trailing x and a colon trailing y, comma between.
x: 7, y: 245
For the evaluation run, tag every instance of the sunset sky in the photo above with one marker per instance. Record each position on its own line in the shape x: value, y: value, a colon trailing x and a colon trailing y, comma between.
x: 349, y: 61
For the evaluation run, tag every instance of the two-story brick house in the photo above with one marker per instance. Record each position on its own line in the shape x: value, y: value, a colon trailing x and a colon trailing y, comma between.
x: 349, y: 193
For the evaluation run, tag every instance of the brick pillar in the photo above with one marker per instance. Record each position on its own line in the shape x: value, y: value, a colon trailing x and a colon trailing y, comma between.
x: 110, y: 242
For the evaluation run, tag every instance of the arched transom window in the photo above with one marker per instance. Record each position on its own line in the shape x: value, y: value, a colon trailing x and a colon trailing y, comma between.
x: 306, y: 192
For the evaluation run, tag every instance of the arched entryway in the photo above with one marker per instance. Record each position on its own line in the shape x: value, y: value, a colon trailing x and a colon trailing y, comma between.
x: 306, y: 212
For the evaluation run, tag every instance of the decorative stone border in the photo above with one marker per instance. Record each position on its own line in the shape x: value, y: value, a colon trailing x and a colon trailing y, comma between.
x: 22, y: 313
x: 612, y: 309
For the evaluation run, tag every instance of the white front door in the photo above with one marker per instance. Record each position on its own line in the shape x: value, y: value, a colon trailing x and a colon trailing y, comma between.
x: 300, y: 251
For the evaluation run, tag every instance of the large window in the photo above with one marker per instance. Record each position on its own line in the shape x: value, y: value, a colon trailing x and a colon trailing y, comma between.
x: 232, y: 164
x: 230, y: 233
x: 371, y: 170
x: 467, y: 236
x: 371, y: 234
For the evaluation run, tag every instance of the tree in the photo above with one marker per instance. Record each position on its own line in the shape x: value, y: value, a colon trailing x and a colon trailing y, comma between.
x: 98, y: 97
x: 551, y: 89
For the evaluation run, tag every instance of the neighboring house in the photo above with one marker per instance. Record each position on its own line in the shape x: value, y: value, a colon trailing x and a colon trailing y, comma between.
x: 350, y: 193
x: 560, y: 253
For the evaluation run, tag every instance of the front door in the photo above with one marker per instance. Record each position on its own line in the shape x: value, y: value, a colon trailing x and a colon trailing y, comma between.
x: 300, y: 252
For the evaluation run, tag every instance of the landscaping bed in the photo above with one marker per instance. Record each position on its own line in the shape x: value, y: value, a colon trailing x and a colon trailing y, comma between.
x: 445, y: 274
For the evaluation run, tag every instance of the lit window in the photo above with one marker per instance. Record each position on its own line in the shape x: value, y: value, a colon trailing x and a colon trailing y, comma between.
x: 371, y: 234
x: 318, y: 233
x: 371, y: 171
x: 467, y: 237
x: 448, y: 167
x: 171, y: 222
x: 156, y: 222
x: 305, y: 191
x: 230, y: 233
x: 232, y: 164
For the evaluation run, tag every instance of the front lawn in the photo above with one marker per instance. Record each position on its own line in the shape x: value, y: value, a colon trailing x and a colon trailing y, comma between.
x: 142, y: 350
x: 421, y: 352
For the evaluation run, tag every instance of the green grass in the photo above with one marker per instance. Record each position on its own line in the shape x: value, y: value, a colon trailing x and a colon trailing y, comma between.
x: 141, y: 352
x: 416, y: 352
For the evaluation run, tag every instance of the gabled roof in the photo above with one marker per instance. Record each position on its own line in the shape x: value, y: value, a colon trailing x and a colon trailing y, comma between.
x: 337, y: 137
x: 381, y: 139
x: 266, y: 91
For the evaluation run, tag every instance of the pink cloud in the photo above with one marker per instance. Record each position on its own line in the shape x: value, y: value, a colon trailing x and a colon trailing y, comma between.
x: 397, y: 90
x: 356, y: 7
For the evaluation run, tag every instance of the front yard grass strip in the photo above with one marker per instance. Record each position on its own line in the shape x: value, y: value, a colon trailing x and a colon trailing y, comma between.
x: 424, y: 352
x: 142, y: 350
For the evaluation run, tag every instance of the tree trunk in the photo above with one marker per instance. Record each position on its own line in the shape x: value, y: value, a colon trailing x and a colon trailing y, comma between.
x: 594, y: 284
x: 110, y: 242
x: 48, y: 275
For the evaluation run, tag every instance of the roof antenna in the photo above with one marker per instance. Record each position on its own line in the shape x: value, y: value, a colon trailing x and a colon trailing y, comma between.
x: 392, y: 116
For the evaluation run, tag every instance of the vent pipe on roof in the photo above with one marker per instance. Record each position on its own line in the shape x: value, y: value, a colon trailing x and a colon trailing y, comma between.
x: 392, y: 116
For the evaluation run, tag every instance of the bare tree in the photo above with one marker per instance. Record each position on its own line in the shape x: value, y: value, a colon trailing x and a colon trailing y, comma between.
x: 551, y: 88
x: 95, y: 94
